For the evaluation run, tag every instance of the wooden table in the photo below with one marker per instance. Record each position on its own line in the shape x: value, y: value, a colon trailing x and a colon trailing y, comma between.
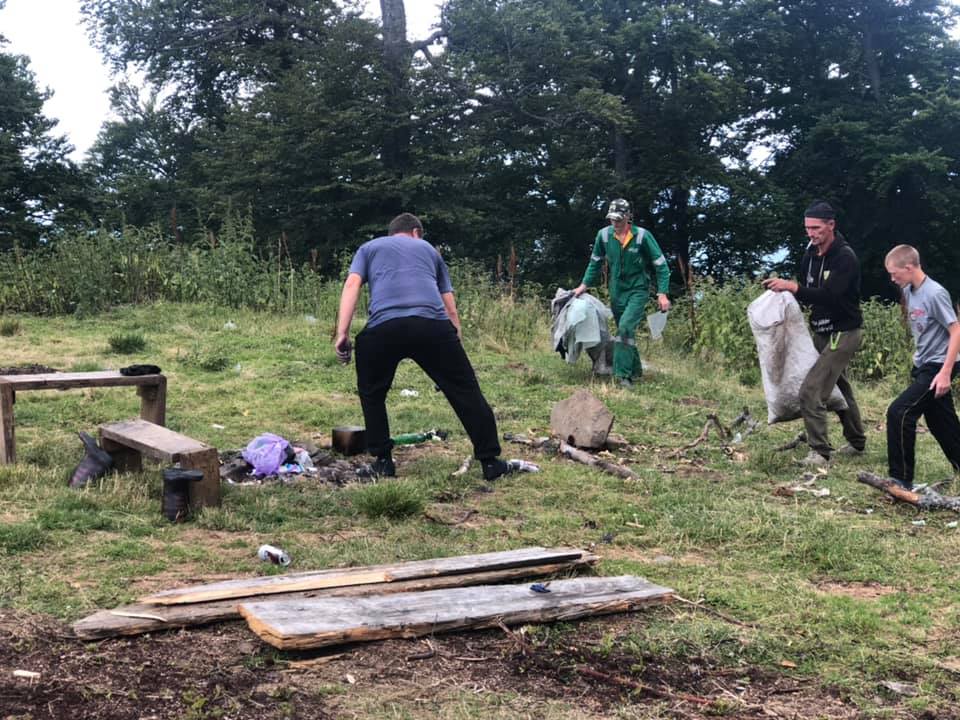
x: 152, y: 390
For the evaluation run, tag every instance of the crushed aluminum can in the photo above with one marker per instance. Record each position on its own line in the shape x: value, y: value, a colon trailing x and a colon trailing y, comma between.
x: 269, y: 553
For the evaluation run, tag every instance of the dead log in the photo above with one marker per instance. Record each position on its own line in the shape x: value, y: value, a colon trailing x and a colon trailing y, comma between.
x: 926, y: 500
x: 587, y: 459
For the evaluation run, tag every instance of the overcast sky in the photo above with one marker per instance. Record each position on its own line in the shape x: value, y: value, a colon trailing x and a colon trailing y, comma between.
x: 62, y: 59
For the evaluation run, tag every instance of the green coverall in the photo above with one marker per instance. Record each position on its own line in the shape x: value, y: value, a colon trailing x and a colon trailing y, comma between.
x: 629, y: 289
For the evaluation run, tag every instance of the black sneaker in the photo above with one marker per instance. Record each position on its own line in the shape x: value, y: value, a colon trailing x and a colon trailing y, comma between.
x: 496, y: 468
x: 381, y: 467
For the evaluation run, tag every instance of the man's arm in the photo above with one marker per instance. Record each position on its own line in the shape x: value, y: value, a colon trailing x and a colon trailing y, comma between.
x: 941, y: 381
x: 348, y: 304
x: 450, y: 305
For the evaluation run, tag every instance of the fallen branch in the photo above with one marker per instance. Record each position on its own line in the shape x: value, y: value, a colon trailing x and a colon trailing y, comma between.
x: 711, y: 421
x: 464, y: 466
x: 927, y: 500
x: 711, y: 611
x: 426, y: 654
x: 542, y: 443
x: 586, y: 458
x: 799, y: 440
x: 633, y: 684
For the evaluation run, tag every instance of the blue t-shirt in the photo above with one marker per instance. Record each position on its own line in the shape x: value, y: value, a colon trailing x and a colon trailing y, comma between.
x: 406, y: 278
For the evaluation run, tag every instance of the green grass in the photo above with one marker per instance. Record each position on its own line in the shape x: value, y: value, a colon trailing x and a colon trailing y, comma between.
x: 707, y: 523
x: 127, y: 343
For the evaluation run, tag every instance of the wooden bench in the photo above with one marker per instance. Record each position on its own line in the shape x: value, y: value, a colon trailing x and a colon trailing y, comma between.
x: 152, y: 390
x: 128, y: 441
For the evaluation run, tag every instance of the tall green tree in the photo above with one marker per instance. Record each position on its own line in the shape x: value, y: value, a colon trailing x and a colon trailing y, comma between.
x: 38, y: 182
x: 860, y: 96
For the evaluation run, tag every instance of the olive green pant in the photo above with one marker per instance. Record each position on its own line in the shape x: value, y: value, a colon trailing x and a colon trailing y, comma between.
x: 628, y: 313
x: 836, y: 352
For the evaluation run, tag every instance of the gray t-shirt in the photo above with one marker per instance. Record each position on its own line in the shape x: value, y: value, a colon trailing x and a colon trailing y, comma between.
x: 930, y: 313
x: 406, y: 278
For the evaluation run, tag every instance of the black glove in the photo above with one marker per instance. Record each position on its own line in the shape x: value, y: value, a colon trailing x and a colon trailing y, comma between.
x: 140, y: 370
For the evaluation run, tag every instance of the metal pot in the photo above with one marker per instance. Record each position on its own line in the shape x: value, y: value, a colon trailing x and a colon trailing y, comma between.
x: 349, y: 439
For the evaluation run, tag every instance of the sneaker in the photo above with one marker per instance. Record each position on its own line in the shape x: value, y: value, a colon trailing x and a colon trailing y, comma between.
x: 849, y: 450
x: 381, y: 467
x: 814, y: 459
x: 496, y: 468
x: 625, y: 382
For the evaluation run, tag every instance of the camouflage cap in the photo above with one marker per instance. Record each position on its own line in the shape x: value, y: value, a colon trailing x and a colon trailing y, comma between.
x: 618, y: 210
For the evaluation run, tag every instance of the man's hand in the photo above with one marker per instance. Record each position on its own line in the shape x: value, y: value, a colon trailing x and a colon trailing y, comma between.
x: 579, y: 290
x: 343, y: 347
x: 940, y: 384
x: 663, y: 302
x: 781, y: 285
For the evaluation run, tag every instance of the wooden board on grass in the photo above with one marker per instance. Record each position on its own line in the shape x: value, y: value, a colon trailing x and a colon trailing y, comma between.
x: 369, y: 575
x: 321, y: 622
x: 143, y: 618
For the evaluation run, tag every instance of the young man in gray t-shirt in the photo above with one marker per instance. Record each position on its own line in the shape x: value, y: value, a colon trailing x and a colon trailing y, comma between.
x: 936, y: 333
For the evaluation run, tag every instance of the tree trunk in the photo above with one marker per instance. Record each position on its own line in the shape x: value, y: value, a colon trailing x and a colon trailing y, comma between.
x: 679, y: 203
x: 397, y: 55
x: 870, y: 58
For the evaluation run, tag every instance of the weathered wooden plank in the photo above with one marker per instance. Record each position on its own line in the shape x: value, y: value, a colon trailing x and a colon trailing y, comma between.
x: 302, y: 624
x: 292, y: 582
x: 206, y: 492
x: 144, y: 618
x: 152, y: 440
x: 8, y: 444
x: 65, y: 381
x: 153, y: 401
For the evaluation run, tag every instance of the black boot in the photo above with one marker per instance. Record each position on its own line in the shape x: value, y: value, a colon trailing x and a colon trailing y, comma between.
x: 176, y: 492
x: 95, y: 463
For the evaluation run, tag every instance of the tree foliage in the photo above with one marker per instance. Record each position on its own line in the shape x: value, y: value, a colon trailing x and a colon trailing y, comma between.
x: 37, y: 181
x: 719, y: 119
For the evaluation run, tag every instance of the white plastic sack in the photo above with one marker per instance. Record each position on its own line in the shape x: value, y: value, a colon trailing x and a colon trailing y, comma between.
x: 786, y: 354
x: 657, y: 322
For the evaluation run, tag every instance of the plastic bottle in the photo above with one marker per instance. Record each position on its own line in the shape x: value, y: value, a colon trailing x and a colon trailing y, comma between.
x: 269, y: 553
x: 413, y: 438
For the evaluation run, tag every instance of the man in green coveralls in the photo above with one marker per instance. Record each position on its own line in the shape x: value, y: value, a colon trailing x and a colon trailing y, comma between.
x: 631, y: 252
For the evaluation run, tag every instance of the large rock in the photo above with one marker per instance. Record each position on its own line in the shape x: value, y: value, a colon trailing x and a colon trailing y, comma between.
x: 581, y: 420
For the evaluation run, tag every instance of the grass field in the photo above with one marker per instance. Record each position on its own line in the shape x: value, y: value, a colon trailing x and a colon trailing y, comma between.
x: 842, y: 593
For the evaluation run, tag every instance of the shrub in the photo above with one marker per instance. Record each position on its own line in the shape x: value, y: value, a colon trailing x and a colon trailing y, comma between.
x: 209, y: 359
x: 9, y: 327
x: 887, y: 348
x: 716, y: 327
x: 393, y: 499
x: 127, y: 343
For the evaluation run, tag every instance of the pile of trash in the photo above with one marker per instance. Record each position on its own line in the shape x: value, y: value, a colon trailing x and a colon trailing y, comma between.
x: 269, y: 458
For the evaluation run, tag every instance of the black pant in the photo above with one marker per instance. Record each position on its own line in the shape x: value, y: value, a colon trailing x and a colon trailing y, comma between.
x: 435, y: 347
x: 902, y: 416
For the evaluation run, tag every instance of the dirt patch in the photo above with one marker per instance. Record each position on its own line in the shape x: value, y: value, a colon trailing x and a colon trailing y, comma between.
x: 224, y: 671
x: 27, y: 370
x: 858, y: 590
